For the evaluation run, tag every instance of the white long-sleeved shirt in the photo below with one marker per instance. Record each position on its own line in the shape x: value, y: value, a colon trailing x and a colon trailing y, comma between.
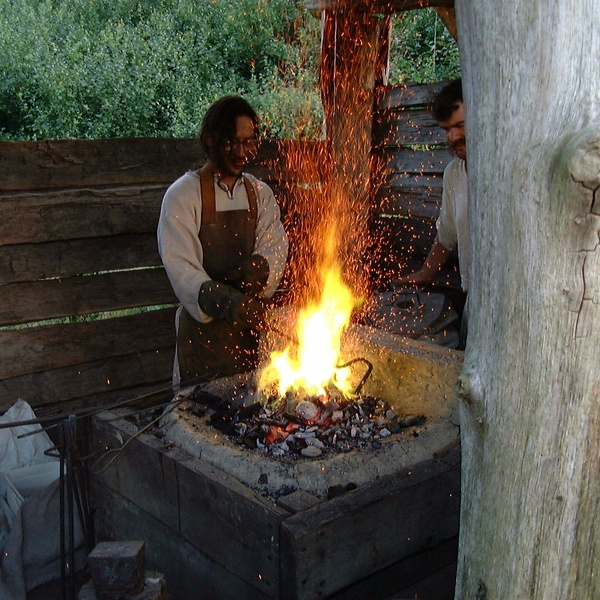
x: 179, y: 225
x: 453, y: 222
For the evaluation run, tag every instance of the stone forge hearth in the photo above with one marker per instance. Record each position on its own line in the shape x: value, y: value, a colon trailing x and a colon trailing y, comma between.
x: 221, y: 522
x: 412, y: 380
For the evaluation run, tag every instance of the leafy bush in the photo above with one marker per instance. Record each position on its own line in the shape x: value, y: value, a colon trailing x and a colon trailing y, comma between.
x: 422, y: 49
x: 88, y: 69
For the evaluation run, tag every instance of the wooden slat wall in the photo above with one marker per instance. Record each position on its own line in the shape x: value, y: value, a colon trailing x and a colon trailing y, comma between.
x: 411, y: 154
x: 78, y: 237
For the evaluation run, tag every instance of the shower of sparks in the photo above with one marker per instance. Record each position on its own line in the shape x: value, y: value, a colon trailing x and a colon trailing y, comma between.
x: 330, y: 210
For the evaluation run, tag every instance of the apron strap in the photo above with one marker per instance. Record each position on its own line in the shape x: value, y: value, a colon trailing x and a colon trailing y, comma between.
x: 207, y: 187
x: 252, y: 201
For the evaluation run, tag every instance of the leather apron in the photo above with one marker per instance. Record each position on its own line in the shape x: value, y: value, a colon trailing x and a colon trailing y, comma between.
x: 217, y: 349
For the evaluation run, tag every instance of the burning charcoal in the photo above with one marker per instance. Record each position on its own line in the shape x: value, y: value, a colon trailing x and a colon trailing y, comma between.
x: 240, y: 428
x: 249, y: 442
x: 245, y: 412
x: 279, y: 449
x: 274, y: 435
x: 311, y: 452
x: 291, y: 427
x: 330, y: 404
x: 308, y: 411
x: 337, y: 416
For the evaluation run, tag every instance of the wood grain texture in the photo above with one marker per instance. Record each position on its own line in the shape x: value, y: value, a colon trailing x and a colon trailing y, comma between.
x: 531, y: 386
x: 26, y: 302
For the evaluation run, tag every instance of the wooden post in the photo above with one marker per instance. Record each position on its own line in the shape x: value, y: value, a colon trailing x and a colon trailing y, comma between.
x: 351, y: 58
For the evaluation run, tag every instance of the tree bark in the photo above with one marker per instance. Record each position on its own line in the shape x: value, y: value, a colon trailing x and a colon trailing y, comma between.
x: 531, y: 383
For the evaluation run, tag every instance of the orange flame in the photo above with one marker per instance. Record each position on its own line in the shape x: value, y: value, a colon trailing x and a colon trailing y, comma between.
x: 311, y: 365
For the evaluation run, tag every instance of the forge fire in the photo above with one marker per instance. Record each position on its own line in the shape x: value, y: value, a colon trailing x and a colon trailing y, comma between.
x: 307, y: 428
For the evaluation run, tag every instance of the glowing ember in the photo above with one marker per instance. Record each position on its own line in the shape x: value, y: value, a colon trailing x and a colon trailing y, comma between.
x: 309, y: 366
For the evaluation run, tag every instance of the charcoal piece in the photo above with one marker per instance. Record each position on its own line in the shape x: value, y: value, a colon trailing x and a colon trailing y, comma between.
x: 411, y: 420
x: 333, y: 491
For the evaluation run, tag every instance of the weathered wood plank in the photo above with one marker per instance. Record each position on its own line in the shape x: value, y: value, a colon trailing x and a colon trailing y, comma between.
x: 405, y: 234
x: 411, y: 190
x: 405, y: 203
x: 29, y: 262
x: 230, y: 523
x: 80, y: 163
x: 32, y: 349
x: 409, y: 95
x: 406, y: 195
x: 379, y: 6
x: 416, y: 161
x: 80, y: 295
x: 408, y: 128
x: 41, y: 217
x: 417, y: 569
x: 139, y: 394
x: 190, y: 574
x: 97, y: 383
x: 343, y: 529
x: 63, y: 164
x: 222, y: 517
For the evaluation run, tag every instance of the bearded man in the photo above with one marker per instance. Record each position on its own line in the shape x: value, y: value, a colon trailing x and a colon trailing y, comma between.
x: 452, y: 223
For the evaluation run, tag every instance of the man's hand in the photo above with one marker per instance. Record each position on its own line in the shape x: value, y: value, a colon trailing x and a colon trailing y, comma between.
x: 436, y: 259
x: 221, y: 301
x: 250, y: 276
x: 417, y: 279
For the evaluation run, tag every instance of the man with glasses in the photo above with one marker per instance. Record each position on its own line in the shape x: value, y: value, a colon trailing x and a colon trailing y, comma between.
x: 224, y: 248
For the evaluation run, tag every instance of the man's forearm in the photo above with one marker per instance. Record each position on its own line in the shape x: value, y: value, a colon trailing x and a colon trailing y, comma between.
x: 436, y: 259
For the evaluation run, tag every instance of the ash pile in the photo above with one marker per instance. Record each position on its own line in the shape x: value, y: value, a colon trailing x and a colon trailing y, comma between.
x: 306, y: 428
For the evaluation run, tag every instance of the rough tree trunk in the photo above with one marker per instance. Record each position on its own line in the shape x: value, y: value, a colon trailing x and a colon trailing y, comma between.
x: 530, y: 525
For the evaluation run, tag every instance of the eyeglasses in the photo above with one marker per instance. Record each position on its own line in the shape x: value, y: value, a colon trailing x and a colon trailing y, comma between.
x: 250, y: 145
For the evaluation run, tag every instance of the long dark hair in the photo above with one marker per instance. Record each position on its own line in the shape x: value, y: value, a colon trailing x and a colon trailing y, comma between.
x: 219, y: 120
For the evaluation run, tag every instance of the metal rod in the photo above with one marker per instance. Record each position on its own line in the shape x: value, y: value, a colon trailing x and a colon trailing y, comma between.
x: 63, y: 551
x: 364, y: 377
x: 70, y: 505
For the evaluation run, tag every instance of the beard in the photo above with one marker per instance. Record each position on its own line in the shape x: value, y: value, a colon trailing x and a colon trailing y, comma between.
x: 459, y: 147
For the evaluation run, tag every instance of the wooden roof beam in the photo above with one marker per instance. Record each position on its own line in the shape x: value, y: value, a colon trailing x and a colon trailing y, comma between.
x: 375, y: 6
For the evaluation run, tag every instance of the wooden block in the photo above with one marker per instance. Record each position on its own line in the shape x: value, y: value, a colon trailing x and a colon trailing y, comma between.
x: 117, y: 568
x: 155, y: 588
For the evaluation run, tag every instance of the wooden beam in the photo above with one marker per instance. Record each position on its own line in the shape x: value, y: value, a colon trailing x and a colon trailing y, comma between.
x: 350, y: 58
x: 448, y: 18
x: 375, y: 6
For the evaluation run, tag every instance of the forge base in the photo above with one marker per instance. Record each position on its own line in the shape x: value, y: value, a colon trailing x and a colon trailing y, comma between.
x: 215, y: 538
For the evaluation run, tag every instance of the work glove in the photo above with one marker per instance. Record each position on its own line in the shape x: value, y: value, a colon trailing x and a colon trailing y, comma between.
x: 250, y: 276
x: 221, y: 301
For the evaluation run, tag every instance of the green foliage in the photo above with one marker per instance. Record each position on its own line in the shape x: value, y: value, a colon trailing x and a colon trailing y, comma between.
x: 422, y: 49
x: 89, y: 69
x: 118, y: 68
